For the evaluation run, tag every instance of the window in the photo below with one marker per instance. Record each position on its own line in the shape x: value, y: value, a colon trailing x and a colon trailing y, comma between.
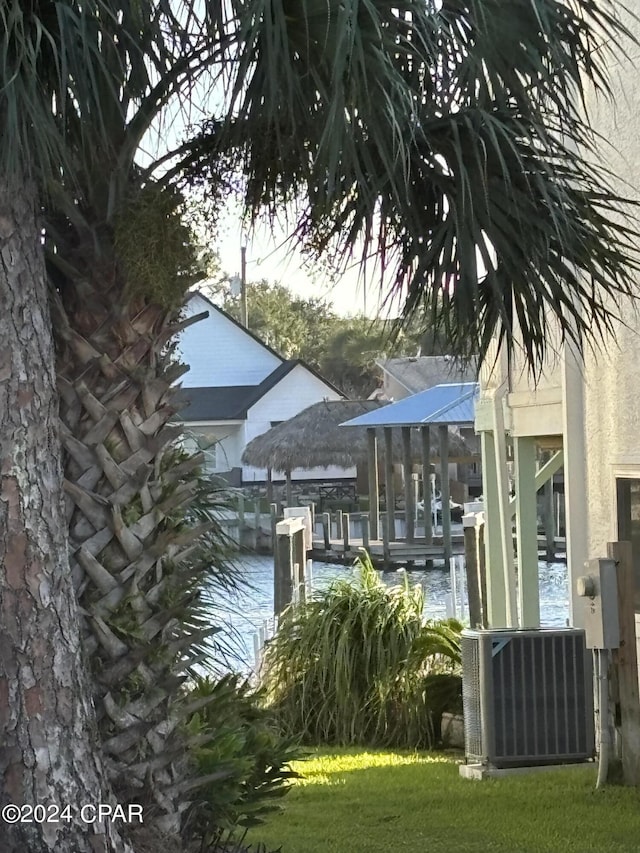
x: 206, y: 441
x: 628, y: 499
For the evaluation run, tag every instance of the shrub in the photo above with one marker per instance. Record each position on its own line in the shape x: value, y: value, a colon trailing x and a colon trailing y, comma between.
x: 243, y: 758
x: 357, y: 664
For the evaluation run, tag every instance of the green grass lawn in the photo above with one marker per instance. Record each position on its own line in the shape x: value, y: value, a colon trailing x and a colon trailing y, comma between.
x: 356, y: 801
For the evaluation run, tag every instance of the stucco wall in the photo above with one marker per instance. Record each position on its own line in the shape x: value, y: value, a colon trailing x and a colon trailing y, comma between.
x: 612, y: 376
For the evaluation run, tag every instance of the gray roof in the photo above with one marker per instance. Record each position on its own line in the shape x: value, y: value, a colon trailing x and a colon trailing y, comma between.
x: 423, y: 372
x: 229, y: 403
x: 232, y: 402
x: 453, y: 403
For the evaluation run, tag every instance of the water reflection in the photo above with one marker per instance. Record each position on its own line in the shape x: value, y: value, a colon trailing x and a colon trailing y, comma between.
x: 245, y: 611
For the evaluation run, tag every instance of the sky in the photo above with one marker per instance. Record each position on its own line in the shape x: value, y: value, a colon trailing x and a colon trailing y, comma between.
x: 270, y: 257
x: 268, y: 254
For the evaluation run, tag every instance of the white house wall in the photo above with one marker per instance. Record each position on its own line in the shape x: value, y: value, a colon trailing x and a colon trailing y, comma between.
x: 220, y: 353
x: 295, y: 392
x: 229, y: 436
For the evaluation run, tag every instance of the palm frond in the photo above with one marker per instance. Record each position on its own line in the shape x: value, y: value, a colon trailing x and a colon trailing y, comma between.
x: 84, y: 81
x: 51, y: 56
x: 451, y: 139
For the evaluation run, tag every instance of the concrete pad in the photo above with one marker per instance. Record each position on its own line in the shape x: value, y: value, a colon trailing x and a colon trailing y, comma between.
x: 478, y: 772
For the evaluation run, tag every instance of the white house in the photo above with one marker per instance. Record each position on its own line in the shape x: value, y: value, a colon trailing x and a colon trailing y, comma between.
x: 239, y: 387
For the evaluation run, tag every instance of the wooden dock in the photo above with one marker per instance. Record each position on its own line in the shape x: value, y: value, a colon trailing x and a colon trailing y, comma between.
x: 340, y: 537
x: 391, y: 553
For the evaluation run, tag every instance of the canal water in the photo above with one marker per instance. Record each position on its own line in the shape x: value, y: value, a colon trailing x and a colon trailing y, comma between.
x: 245, y: 611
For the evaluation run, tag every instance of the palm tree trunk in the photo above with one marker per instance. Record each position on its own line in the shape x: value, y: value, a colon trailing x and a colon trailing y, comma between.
x: 126, y: 539
x: 48, y: 753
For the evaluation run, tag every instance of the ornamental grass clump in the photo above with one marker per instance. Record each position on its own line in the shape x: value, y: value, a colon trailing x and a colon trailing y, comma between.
x: 357, y: 664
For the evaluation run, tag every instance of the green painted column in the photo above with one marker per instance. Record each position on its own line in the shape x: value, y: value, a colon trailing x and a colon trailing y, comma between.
x: 496, y: 593
x: 527, y: 531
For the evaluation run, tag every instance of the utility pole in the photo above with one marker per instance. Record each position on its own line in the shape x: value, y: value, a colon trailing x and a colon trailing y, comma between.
x: 244, y: 311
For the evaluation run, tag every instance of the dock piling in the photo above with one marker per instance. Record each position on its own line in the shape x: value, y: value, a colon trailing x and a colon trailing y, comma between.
x: 471, y: 523
x: 390, y: 499
x: 386, y: 553
x: 326, y: 530
x: 345, y: 531
x: 409, y: 507
x: 289, y: 563
x: 364, y: 527
x: 444, y: 491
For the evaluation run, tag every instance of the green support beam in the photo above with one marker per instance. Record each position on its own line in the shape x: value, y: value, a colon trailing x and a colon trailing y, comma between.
x: 527, y: 531
x: 496, y: 593
x: 545, y: 472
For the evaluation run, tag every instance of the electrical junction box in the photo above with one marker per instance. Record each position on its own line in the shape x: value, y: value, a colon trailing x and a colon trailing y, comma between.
x: 599, y: 589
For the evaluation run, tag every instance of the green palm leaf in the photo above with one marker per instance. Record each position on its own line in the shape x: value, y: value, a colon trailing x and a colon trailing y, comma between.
x: 450, y: 139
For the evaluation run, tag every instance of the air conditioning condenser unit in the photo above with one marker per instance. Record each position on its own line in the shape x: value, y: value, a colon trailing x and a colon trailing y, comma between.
x: 527, y: 697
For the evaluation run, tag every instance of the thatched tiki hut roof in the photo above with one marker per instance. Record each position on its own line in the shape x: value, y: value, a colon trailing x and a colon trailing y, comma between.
x: 314, y: 439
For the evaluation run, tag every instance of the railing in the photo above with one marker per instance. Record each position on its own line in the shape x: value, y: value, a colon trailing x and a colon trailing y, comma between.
x: 337, y: 492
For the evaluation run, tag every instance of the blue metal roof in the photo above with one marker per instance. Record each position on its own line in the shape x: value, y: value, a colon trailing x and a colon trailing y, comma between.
x: 453, y: 403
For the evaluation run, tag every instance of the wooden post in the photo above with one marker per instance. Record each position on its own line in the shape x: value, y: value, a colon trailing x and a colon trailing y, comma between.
x: 282, y: 571
x: 374, y: 485
x: 273, y: 508
x: 326, y: 530
x: 425, y: 435
x: 444, y: 492
x: 257, y: 516
x: 288, y: 553
x: 364, y: 526
x: 240, y: 515
x: 386, y: 554
x: 299, y: 562
x: 388, y: 484
x: 625, y: 663
x: 345, y: 531
x: 269, y: 486
x: 471, y: 568
x: 289, y: 489
x: 409, y: 508
x: 303, y: 512
x: 339, y: 529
